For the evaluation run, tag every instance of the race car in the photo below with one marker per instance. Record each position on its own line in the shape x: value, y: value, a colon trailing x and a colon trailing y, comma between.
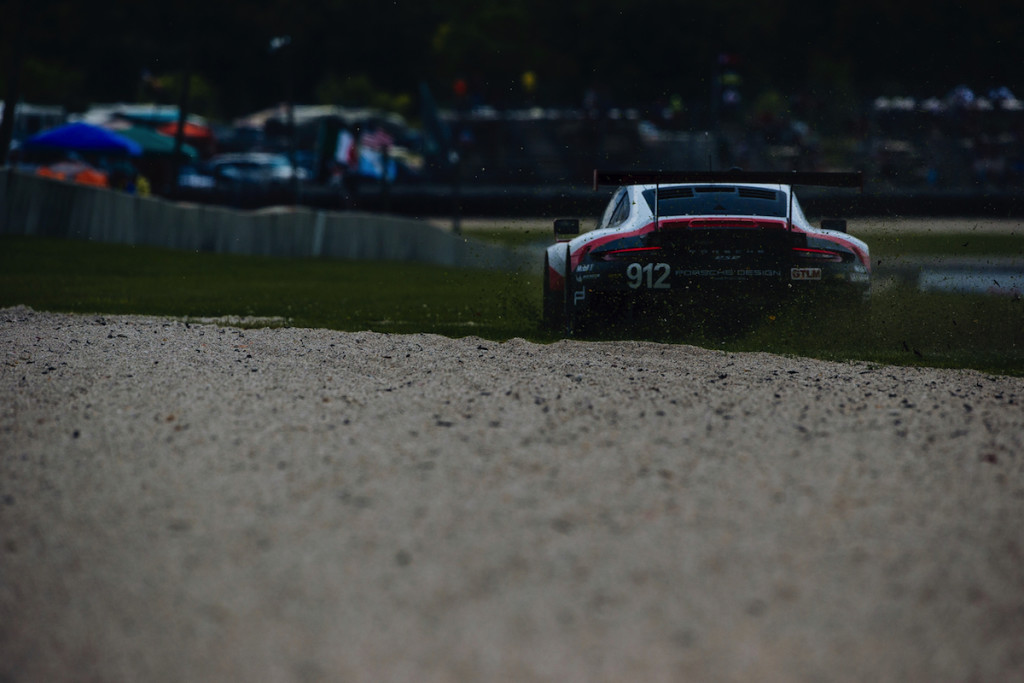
x: 686, y: 244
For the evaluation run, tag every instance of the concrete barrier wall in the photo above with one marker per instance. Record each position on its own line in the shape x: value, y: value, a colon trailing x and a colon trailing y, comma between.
x: 31, y: 205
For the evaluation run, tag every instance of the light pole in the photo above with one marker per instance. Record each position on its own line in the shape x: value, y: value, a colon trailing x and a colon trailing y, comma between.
x: 279, y: 43
x: 13, y: 79
x: 179, y: 133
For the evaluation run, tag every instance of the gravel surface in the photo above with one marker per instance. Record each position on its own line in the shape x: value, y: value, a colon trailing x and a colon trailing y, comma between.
x: 200, y: 503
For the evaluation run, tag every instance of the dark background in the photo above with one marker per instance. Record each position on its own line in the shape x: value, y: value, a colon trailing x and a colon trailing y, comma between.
x: 828, y: 56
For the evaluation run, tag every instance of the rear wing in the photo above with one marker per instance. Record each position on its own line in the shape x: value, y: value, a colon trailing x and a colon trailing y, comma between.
x: 817, y: 178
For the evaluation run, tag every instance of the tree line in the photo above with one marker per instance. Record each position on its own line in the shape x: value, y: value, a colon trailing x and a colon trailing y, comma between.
x: 501, y: 52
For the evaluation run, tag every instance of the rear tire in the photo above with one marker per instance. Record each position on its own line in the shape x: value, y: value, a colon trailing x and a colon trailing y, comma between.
x: 554, y: 303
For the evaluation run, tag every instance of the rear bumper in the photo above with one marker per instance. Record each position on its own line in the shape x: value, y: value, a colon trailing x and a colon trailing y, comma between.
x: 664, y: 277
x: 598, y: 286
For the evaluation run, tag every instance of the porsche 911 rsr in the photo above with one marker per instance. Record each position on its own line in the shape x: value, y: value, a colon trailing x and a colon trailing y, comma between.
x: 712, y: 239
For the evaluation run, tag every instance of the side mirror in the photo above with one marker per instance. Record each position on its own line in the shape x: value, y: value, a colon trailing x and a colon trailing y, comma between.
x: 567, y: 226
x: 837, y: 224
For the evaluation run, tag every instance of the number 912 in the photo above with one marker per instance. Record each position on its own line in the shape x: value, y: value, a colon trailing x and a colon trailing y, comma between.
x: 650, y: 275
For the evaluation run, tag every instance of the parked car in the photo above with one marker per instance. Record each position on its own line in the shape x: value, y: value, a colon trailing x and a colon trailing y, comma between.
x: 255, y: 170
x: 195, y: 176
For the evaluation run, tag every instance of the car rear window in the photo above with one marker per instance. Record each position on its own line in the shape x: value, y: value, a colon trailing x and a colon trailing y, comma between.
x: 705, y: 200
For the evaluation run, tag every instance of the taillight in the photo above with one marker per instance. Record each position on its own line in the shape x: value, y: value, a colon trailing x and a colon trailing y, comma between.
x: 621, y: 254
x: 816, y: 255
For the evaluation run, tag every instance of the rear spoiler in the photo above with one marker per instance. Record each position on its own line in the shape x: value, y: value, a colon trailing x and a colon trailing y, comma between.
x: 817, y: 178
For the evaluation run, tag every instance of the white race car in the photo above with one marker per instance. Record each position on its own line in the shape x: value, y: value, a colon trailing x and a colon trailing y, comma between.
x: 689, y: 244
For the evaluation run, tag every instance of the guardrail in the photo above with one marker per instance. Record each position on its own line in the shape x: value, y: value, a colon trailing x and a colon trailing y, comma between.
x: 32, y: 205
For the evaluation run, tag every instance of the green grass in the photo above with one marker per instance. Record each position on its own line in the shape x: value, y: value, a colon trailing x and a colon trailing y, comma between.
x: 888, y: 245
x: 88, y: 277
x: 903, y: 326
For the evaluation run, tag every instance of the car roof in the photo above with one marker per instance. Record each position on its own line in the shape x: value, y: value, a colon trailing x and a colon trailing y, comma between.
x: 247, y: 157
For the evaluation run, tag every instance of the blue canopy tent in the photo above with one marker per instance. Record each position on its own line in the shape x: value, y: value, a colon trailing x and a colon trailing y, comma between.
x: 85, y: 138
